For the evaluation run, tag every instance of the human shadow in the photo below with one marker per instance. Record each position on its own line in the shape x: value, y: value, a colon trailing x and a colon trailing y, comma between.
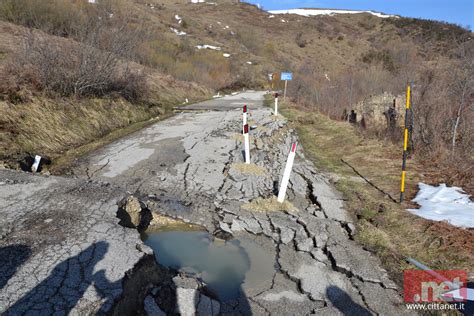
x: 344, y: 303
x: 469, y: 304
x: 66, y: 284
x: 11, y: 258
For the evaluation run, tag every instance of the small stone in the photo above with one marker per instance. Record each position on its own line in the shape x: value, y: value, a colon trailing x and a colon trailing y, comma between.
x: 287, y: 235
x: 144, y: 248
x: 225, y: 227
x: 130, y: 212
x: 351, y: 228
x: 186, y: 299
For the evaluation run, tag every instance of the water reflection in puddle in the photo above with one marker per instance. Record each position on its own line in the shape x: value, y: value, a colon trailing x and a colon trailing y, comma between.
x: 224, y: 266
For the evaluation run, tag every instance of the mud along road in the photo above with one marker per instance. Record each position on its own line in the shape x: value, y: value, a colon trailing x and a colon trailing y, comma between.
x: 62, y: 249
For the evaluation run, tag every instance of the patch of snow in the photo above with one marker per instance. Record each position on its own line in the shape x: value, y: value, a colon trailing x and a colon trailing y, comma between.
x: 326, y: 75
x: 249, y: 62
x: 444, y: 203
x: 179, y: 19
x: 226, y: 55
x: 234, y: 93
x: 198, y: 1
x: 271, y: 16
x: 313, y: 12
x: 226, y: 26
x: 283, y: 20
x: 177, y: 32
x: 218, y: 95
x: 208, y: 47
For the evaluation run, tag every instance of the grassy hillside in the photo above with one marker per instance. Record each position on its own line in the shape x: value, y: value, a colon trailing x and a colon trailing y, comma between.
x: 384, y: 227
x: 39, y: 117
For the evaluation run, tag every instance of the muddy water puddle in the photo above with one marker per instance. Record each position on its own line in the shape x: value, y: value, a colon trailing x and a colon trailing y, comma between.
x: 224, y: 266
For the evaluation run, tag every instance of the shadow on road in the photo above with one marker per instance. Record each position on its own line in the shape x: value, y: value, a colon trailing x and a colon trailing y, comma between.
x: 11, y: 258
x: 66, y: 284
x: 344, y: 303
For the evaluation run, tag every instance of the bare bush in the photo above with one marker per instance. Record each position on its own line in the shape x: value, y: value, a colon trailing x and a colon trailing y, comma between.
x: 56, y: 17
x: 300, y: 40
x: 78, y: 69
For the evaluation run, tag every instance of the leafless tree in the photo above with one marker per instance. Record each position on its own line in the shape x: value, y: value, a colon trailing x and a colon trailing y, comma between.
x: 461, y: 90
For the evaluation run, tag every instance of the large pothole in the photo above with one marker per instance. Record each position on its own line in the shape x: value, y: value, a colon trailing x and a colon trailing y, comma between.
x: 226, y: 268
x: 210, y: 274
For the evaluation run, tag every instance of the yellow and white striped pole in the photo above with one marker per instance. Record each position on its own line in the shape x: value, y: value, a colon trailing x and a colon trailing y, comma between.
x: 405, y: 143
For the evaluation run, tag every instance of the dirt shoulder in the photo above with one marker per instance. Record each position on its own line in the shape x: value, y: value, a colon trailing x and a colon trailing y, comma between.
x: 383, y: 226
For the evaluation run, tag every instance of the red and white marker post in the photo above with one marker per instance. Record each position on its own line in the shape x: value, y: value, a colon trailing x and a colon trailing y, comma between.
x: 276, y: 105
x: 246, y: 144
x: 286, y: 174
x: 244, y: 118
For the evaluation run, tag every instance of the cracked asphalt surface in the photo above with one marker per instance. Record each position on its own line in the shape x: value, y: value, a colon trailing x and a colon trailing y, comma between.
x: 62, y: 250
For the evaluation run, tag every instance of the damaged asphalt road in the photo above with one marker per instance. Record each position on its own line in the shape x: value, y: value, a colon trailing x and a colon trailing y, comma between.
x: 63, y: 251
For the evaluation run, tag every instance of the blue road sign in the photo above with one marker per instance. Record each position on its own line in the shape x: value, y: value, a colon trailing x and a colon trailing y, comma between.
x: 286, y: 76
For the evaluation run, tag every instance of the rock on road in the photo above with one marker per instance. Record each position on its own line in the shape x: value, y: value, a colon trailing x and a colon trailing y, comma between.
x: 62, y: 250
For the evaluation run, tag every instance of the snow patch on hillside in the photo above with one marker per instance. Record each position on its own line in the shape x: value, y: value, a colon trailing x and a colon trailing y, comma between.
x: 177, y: 32
x: 314, y: 12
x: 208, y: 47
x: 444, y: 203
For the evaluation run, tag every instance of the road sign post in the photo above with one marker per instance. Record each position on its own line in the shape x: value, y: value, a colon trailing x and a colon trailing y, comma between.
x: 405, y: 142
x: 244, y: 118
x: 276, y: 105
x: 246, y: 144
x: 286, y: 173
x: 286, y: 76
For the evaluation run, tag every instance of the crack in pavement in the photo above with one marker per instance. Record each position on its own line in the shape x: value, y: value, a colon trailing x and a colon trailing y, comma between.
x: 319, y: 268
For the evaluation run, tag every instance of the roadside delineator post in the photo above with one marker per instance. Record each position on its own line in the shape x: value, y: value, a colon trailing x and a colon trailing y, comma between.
x: 286, y: 174
x: 36, y: 163
x: 246, y: 144
x: 405, y: 143
x: 276, y: 105
x: 244, y: 117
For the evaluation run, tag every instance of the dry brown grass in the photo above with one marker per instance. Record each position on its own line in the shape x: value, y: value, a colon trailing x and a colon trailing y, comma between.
x: 63, y: 128
x: 238, y: 137
x: 251, y: 169
x: 384, y: 227
x: 162, y: 223
x: 269, y: 205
